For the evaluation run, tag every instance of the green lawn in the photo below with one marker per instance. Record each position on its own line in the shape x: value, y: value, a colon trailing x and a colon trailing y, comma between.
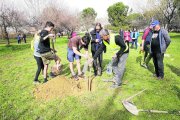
x: 17, y: 70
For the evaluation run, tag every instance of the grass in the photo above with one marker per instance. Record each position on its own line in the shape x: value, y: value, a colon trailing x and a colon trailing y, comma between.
x: 17, y: 70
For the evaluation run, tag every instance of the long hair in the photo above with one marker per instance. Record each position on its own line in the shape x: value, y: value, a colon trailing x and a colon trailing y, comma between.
x: 37, y: 35
x: 98, y: 24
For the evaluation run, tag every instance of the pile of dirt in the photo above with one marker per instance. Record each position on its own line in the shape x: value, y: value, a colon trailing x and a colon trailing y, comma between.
x: 60, y: 87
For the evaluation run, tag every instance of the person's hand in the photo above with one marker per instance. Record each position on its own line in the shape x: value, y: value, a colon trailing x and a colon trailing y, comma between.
x: 86, y: 56
x: 97, y: 40
x: 114, y: 56
x: 142, y: 48
x: 51, y: 35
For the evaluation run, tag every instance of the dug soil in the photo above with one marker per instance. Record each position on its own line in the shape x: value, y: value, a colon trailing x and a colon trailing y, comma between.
x: 60, y: 87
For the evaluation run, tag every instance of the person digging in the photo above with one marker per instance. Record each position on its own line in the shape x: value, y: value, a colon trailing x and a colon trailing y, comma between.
x: 119, y: 61
x: 74, y: 46
x: 104, y: 36
x: 45, y: 51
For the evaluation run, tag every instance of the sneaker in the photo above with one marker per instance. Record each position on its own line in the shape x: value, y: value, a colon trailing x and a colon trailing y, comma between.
x: 144, y: 65
x: 75, y: 77
x: 81, y: 75
x: 154, y: 75
x: 52, y: 75
x: 114, y: 86
x: 160, y: 78
x: 95, y: 73
x: 45, y: 80
x: 36, y: 82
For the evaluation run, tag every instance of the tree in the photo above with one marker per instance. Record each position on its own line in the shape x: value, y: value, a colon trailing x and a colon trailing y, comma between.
x: 136, y: 20
x: 6, y: 19
x: 117, y: 14
x: 165, y: 11
x: 88, y: 16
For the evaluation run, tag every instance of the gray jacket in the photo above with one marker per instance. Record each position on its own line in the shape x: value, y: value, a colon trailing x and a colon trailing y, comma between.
x: 164, y: 40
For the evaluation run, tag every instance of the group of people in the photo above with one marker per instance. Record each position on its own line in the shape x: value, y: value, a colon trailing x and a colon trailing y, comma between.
x: 155, y: 41
x: 131, y: 36
x: 21, y: 37
x: 99, y: 38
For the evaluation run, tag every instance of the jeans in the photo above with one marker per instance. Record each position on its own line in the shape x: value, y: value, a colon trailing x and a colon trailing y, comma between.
x: 158, y: 64
x: 71, y: 55
x: 119, y: 69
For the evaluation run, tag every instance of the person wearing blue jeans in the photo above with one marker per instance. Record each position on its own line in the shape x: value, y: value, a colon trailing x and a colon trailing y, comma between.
x: 74, y: 46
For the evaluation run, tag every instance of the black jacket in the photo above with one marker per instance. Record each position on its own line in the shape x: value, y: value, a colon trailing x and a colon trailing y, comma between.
x: 93, y: 42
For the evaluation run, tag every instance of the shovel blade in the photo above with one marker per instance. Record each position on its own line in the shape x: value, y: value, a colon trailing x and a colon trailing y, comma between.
x: 130, y: 107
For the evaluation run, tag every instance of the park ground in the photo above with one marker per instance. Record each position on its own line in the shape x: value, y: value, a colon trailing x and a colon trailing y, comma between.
x: 17, y: 100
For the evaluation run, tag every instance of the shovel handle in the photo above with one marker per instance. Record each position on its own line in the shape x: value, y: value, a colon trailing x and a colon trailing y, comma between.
x: 159, y: 111
x: 135, y: 95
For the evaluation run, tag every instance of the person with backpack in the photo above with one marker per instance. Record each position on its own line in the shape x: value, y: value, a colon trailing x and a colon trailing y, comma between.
x: 37, y: 56
x: 75, y: 44
x: 46, y: 52
x: 146, y: 38
x: 96, y: 43
x: 159, y: 43
x: 134, y: 36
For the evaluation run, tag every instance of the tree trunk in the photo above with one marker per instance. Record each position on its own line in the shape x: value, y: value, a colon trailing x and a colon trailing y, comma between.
x: 6, y: 35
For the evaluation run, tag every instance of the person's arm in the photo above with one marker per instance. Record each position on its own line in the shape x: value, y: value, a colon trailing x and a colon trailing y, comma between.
x: 49, y: 35
x: 166, y: 37
x: 78, y: 53
x: 145, y: 34
x: 94, y: 40
x: 99, y: 51
x: 142, y: 45
x: 121, y: 51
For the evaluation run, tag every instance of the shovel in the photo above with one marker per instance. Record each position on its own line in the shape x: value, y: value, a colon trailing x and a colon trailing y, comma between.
x: 133, y: 109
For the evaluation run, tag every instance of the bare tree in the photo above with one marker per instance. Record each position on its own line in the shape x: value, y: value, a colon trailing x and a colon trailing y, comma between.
x: 163, y: 10
x: 5, y: 19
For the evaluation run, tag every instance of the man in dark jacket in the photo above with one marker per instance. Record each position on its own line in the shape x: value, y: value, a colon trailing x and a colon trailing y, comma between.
x: 159, y: 43
x: 104, y: 36
x: 97, y: 43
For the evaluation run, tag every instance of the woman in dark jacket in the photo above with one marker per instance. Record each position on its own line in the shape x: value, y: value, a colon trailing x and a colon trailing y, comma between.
x: 96, y: 43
